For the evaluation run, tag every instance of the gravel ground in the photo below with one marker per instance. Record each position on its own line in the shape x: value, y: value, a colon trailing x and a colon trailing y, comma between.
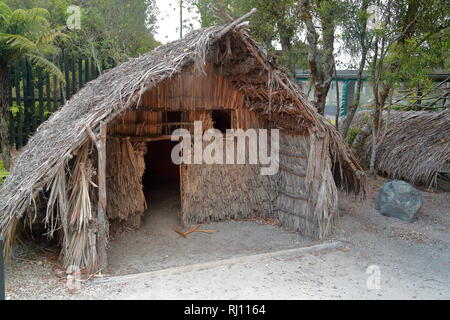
x: 413, y: 261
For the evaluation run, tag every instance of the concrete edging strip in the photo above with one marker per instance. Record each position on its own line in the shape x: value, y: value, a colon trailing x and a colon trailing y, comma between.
x: 213, y: 264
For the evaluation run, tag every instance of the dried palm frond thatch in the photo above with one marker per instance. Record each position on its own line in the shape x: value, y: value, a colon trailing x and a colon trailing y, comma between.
x: 414, y: 145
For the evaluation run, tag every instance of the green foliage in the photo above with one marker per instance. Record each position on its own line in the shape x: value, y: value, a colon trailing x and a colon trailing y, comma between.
x: 274, y: 22
x: 116, y: 30
x: 111, y: 30
x: 15, y: 109
x: 416, y: 60
x: 27, y: 33
x: 355, y: 35
x: 3, y: 173
x: 415, y: 39
x: 366, y: 118
x: 351, y: 135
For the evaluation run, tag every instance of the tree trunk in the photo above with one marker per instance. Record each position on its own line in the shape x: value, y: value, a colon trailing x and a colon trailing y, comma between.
x: 419, y: 98
x: 354, y: 107
x: 328, y: 65
x: 320, y: 98
x: 338, y: 105
x: 321, y: 71
x: 4, y: 119
x: 359, y: 83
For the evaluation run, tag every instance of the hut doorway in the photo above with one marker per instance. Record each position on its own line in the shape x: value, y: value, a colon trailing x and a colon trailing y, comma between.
x: 161, y: 180
x: 159, y: 168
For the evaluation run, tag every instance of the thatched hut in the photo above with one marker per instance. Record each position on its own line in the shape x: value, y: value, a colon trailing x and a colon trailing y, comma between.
x: 413, y: 146
x: 81, y: 173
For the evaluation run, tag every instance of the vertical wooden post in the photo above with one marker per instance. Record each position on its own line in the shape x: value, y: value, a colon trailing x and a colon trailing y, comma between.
x: 19, y: 143
x: 12, y: 122
x: 26, y: 102
x: 80, y: 70
x: 55, y: 94
x: 47, y: 93
x: 40, y: 96
x: 86, y: 70
x: 65, y: 63
x: 74, y: 73
x: 32, y: 106
x: 102, y: 220
x: 61, y: 84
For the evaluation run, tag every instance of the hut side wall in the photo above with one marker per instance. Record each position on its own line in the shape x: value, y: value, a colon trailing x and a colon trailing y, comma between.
x: 295, y: 201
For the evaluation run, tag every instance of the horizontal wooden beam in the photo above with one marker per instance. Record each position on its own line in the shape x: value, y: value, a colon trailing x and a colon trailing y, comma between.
x: 141, y: 138
x: 160, y: 124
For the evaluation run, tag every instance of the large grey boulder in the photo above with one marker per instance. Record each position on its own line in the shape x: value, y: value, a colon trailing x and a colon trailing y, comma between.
x: 398, y: 199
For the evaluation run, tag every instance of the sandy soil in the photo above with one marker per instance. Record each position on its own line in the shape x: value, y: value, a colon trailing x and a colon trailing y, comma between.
x: 413, y: 260
x: 157, y: 246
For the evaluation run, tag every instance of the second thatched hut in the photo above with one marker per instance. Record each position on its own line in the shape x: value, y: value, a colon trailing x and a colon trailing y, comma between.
x: 413, y: 145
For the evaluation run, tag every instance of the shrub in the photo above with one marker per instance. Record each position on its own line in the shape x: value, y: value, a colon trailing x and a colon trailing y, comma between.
x: 351, y: 135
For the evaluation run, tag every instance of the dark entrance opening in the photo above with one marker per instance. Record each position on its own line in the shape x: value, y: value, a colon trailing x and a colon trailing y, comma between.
x: 221, y: 119
x: 159, y: 167
x: 161, y: 183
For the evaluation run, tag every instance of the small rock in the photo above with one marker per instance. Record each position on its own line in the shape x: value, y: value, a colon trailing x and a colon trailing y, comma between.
x: 398, y: 199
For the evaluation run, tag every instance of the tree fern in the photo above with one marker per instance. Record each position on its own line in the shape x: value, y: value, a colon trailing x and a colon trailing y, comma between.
x: 23, y: 33
x: 27, y: 33
x: 47, y: 65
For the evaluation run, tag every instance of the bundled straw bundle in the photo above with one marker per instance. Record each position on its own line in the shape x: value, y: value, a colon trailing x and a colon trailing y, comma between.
x: 126, y: 165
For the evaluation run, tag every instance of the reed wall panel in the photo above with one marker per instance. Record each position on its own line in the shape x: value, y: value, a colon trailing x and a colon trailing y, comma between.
x: 189, y: 90
x: 226, y: 191
x: 136, y: 123
x: 245, y: 119
x: 220, y: 192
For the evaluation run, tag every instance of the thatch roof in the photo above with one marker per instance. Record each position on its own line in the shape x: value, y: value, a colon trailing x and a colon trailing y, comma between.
x: 414, y: 145
x: 57, y: 139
